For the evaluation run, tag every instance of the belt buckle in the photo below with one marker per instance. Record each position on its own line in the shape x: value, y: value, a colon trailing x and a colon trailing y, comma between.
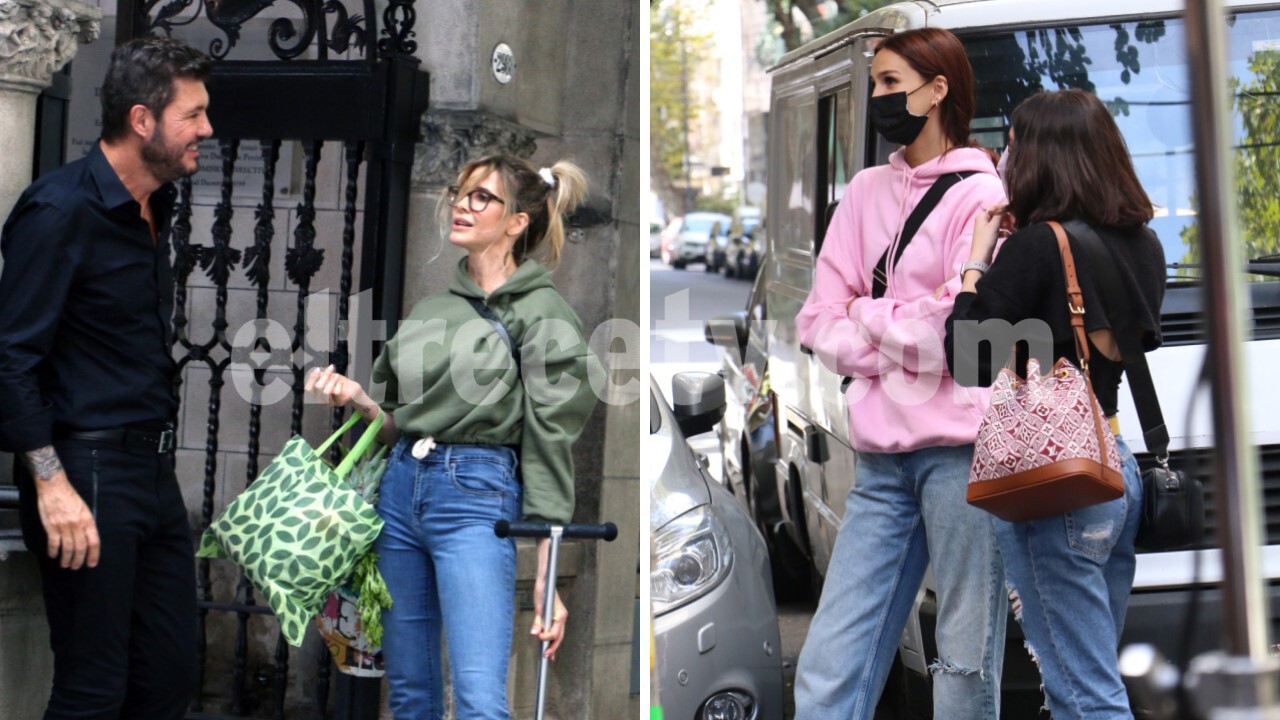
x: 166, y: 444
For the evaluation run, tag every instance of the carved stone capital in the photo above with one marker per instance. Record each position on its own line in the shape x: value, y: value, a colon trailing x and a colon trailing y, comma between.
x: 451, y: 139
x: 39, y: 37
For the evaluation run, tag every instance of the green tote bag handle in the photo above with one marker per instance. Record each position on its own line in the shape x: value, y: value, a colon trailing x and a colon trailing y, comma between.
x: 361, y: 448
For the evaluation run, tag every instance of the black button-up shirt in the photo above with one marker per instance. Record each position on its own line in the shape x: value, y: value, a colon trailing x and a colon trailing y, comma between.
x: 85, y: 304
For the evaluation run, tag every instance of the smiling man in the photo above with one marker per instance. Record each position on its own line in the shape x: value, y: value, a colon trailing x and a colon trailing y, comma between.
x: 86, y: 394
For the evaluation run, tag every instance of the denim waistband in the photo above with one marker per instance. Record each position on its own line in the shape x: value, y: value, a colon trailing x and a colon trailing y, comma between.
x: 447, y: 452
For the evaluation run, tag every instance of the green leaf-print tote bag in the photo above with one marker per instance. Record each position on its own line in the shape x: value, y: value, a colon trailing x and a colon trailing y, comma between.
x: 299, y: 529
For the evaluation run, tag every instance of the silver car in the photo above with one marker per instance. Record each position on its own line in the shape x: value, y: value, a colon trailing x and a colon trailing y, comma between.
x: 695, y: 232
x: 715, y: 624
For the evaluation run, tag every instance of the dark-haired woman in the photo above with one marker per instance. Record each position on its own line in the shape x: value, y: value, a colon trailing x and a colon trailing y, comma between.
x: 911, y: 426
x: 1073, y: 572
x: 477, y: 438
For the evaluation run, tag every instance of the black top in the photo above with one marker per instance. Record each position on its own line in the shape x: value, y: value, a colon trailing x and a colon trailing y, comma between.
x: 87, y: 299
x: 1026, y: 282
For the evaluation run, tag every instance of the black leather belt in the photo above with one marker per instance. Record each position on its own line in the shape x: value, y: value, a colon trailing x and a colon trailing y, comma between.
x: 160, y: 442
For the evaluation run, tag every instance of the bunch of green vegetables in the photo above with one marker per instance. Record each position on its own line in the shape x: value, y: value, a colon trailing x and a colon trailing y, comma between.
x: 371, y: 590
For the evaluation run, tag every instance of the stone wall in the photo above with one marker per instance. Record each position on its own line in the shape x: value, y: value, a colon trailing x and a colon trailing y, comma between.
x: 575, y: 93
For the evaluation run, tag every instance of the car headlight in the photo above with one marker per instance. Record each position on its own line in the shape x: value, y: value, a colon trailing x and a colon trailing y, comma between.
x: 693, y: 556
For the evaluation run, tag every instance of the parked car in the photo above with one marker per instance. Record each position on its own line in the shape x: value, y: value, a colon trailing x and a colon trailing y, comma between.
x: 716, y: 642
x: 818, y: 112
x: 746, y: 251
x: 748, y: 435
x: 655, y: 239
x: 717, y: 251
x: 667, y: 238
x: 688, y: 243
x: 717, y: 248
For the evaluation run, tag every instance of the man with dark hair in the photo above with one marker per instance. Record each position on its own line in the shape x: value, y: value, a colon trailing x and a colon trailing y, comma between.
x: 87, y: 394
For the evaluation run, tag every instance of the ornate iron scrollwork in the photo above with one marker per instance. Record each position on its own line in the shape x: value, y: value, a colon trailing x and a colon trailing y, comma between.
x: 287, y: 38
x: 348, y: 30
x: 397, y: 28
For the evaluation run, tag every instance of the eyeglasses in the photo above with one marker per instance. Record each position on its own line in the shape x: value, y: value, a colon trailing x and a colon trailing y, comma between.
x: 477, y: 200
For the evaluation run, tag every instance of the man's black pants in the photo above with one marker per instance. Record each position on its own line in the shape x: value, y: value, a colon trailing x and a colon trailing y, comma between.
x: 123, y: 633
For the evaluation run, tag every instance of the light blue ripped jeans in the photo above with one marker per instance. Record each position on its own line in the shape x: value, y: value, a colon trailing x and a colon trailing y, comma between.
x: 903, y: 510
x: 1073, y: 574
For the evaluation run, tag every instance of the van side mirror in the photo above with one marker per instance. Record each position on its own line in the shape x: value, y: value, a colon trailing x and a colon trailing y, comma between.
x: 728, y: 331
x: 698, y: 401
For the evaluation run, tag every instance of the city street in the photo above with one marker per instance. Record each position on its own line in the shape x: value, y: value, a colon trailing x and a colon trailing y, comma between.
x: 680, y: 301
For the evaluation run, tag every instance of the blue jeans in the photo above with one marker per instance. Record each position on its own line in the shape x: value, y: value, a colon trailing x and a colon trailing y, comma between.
x: 904, y: 509
x: 446, y: 569
x: 1073, y: 574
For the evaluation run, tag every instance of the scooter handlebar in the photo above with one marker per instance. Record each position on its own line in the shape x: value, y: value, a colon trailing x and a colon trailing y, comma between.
x: 607, y: 532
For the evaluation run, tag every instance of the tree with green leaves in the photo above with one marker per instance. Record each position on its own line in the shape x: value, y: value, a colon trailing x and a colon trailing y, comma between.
x: 823, y: 17
x: 676, y: 48
x: 1257, y: 161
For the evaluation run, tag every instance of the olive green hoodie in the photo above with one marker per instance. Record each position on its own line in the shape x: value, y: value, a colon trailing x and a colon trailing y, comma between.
x: 447, y: 374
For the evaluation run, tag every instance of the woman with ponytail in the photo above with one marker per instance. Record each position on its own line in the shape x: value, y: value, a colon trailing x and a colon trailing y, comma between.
x: 485, y: 387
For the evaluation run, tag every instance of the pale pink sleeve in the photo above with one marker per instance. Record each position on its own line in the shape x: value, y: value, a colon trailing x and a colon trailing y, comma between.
x: 823, y: 324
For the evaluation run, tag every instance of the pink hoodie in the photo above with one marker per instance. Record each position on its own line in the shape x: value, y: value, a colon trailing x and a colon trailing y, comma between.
x: 902, y: 397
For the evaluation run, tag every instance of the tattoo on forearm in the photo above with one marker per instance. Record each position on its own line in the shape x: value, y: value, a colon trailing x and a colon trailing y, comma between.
x: 43, y: 463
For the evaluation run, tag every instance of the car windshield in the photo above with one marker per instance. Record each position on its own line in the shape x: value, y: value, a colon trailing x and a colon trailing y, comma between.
x: 700, y: 224
x: 1139, y: 69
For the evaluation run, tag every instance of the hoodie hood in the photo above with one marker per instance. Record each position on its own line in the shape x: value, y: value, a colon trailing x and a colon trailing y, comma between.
x: 954, y: 160
x: 530, y: 275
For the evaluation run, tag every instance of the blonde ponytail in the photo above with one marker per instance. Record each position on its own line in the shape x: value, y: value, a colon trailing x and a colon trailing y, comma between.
x: 569, y: 191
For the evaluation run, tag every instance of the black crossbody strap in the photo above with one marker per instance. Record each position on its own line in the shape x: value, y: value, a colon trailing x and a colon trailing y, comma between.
x: 880, y: 277
x: 485, y: 312
x: 1102, y: 265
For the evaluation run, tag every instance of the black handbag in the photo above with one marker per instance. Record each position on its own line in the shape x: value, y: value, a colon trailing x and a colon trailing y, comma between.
x: 1172, y: 509
x: 1172, y: 502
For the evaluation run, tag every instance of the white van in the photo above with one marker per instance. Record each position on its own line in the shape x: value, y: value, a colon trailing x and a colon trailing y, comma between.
x: 1132, y: 55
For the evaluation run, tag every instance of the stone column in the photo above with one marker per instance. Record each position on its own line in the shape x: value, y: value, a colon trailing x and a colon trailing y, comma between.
x: 37, y: 38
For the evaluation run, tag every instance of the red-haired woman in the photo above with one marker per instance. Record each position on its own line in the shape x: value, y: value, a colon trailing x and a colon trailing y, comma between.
x: 876, y: 315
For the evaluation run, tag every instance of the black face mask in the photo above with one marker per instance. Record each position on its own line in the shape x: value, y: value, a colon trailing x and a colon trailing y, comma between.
x: 892, y: 119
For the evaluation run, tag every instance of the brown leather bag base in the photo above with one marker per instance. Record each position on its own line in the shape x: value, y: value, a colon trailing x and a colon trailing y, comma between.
x: 1048, y: 490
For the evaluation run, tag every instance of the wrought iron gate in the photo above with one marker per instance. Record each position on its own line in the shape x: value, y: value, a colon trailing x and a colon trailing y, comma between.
x: 305, y: 95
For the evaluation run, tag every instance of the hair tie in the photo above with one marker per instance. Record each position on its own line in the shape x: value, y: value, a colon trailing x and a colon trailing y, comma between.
x: 547, y: 176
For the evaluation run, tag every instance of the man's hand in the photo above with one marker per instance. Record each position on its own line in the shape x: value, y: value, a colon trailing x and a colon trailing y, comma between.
x: 67, y: 521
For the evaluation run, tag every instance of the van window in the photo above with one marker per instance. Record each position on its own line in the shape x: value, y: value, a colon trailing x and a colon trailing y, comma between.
x: 1139, y: 69
x: 835, y: 156
x: 795, y: 174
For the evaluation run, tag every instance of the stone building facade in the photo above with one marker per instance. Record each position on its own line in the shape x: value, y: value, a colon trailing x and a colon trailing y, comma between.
x: 573, y: 91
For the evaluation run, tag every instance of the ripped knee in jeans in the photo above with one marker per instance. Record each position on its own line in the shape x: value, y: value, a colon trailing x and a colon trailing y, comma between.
x: 947, y: 667
x: 1016, y: 602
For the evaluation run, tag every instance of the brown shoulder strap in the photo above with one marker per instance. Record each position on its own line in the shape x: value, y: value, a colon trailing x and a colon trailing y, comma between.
x: 1075, y: 298
x: 1075, y: 304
